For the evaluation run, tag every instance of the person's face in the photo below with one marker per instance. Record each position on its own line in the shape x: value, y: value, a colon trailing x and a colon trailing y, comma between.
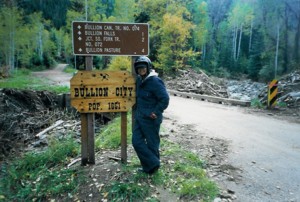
x: 142, y: 71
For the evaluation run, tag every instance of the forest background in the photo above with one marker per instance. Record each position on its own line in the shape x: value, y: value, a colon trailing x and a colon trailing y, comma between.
x: 257, y: 39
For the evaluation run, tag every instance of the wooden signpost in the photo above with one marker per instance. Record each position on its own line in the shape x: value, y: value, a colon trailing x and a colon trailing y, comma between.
x: 105, y: 91
x: 94, y: 38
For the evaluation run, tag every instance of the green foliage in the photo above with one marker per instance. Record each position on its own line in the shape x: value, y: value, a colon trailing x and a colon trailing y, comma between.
x: 173, y: 52
x: 38, y: 176
x: 227, y: 36
x: 120, y: 63
x: 266, y: 73
x: 123, y: 10
x: 202, y: 25
x: 281, y: 104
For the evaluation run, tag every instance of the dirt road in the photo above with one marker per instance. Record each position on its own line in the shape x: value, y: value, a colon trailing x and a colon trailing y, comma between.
x: 56, y: 76
x: 264, y: 151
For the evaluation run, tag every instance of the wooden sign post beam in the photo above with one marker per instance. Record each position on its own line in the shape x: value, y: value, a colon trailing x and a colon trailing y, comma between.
x: 124, y: 137
x: 124, y: 122
x: 88, y: 128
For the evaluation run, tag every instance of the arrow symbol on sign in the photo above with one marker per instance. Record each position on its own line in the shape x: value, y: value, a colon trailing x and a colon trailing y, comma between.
x: 80, y: 50
x: 135, y: 28
x: 79, y: 33
x: 79, y: 38
x: 79, y: 27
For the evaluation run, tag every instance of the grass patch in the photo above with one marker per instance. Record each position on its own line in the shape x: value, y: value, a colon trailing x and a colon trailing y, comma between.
x: 181, y: 172
x: 281, y: 104
x: 124, y: 191
x: 185, y: 175
x: 40, y: 176
x: 70, y: 69
x: 132, y: 185
x: 110, y: 136
x: 255, y: 103
x: 22, y: 79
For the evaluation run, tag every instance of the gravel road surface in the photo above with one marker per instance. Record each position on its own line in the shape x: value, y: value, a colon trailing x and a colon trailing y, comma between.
x: 265, y: 150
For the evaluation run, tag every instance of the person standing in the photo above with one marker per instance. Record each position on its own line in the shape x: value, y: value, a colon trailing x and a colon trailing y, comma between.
x: 151, y: 100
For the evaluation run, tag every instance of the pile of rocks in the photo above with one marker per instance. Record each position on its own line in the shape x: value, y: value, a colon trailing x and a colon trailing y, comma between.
x: 244, y: 90
x: 196, y: 82
x: 201, y: 83
x: 289, y: 89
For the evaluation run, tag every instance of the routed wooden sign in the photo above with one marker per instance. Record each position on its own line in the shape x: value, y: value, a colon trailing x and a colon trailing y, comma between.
x: 103, y: 91
x: 96, y: 38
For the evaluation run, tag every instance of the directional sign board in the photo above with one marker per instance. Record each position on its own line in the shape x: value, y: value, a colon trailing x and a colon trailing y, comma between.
x: 94, y: 38
x: 102, y: 91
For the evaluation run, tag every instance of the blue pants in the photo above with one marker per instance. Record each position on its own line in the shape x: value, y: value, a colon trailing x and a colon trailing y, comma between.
x: 146, y: 140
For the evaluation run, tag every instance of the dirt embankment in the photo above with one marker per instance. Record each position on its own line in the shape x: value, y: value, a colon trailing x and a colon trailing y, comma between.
x: 23, y: 114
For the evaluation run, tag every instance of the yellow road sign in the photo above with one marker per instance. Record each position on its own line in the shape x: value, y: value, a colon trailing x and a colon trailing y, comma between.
x: 272, y: 93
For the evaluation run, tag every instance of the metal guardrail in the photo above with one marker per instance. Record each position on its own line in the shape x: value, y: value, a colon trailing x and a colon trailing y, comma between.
x: 209, y: 98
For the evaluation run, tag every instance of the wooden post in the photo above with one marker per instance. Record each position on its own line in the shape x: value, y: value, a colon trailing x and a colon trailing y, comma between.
x: 84, y: 139
x: 88, y: 128
x: 124, y: 137
x: 124, y: 123
x: 133, y: 58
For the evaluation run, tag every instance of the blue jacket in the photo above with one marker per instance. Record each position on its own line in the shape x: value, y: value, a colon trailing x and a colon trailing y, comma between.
x: 152, y: 96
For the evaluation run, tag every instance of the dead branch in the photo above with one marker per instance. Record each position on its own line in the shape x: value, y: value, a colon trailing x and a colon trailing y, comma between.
x: 57, y: 123
x: 73, y: 162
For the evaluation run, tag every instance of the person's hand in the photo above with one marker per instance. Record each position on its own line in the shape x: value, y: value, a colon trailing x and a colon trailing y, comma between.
x: 153, y: 116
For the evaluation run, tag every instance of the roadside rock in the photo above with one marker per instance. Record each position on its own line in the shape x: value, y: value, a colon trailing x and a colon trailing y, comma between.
x: 244, y: 90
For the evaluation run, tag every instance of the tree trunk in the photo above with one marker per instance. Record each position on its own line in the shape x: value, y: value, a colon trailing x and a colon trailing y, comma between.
x: 40, y: 43
x: 296, y: 43
x: 277, y: 46
x: 286, y: 38
x: 12, y: 44
x: 240, y: 40
x: 235, y: 33
x: 250, y: 37
x: 203, y: 52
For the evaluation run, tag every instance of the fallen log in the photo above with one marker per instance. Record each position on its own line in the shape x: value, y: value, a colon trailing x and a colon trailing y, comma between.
x: 293, y: 95
x: 73, y: 162
x: 213, y: 99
